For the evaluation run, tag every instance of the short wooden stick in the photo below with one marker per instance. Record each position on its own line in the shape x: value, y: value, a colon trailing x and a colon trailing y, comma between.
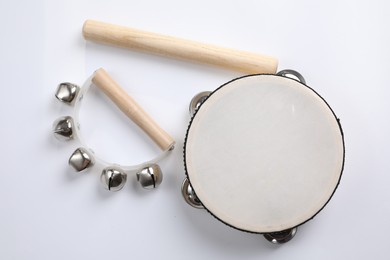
x: 132, y: 109
x: 242, y: 61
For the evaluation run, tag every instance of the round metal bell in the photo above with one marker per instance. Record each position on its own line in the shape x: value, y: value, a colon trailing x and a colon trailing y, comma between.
x: 66, y: 92
x: 150, y: 177
x: 63, y: 128
x: 197, y: 100
x: 189, y: 195
x: 81, y: 159
x: 113, y: 178
x: 282, y: 236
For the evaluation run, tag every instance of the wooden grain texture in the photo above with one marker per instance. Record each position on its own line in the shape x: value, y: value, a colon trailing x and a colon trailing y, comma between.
x: 242, y: 61
x: 132, y: 109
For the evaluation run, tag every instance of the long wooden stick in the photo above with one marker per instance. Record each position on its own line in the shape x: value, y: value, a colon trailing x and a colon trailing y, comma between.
x: 130, y: 107
x: 242, y: 61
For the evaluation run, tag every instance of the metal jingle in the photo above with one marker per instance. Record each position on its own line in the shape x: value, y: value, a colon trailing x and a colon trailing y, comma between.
x: 63, y: 128
x: 113, y: 178
x: 197, y: 100
x: 292, y: 74
x: 189, y: 195
x: 81, y: 159
x: 150, y: 177
x: 282, y: 236
x: 66, y: 92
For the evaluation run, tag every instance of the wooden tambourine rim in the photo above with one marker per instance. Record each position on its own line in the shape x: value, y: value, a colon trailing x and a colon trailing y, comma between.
x: 252, y: 75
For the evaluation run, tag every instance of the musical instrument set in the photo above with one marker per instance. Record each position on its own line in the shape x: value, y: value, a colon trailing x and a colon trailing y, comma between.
x: 263, y: 153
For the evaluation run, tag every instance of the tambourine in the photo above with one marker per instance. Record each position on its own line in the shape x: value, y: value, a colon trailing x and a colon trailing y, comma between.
x: 263, y: 153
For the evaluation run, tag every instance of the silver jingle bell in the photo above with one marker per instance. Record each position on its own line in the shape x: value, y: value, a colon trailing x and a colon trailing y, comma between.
x: 63, y: 128
x: 81, y: 159
x: 282, y: 236
x: 292, y: 74
x: 113, y: 178
x: 189, y: 195
x: 66, y: 92
x: 197, y: 100
x: 150, y: 177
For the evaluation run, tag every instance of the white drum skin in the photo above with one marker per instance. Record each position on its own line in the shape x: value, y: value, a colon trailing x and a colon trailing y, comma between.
x: 264, y: 153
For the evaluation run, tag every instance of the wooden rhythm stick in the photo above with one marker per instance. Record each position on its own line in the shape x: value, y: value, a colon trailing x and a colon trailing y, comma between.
x: 133, y: 110
x: 242, y: 61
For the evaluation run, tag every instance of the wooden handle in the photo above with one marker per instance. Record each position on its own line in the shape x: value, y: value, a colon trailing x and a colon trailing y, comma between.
x: 170, y: 46
x: 128, y: 105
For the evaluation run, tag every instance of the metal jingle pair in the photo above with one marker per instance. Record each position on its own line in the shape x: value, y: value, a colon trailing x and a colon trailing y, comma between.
x: 113, y: 176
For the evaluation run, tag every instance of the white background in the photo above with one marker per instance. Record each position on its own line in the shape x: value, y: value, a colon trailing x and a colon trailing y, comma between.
x: 49, y: 212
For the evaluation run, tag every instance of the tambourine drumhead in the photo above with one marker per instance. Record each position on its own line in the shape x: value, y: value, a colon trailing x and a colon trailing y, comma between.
x: 264, y: 153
